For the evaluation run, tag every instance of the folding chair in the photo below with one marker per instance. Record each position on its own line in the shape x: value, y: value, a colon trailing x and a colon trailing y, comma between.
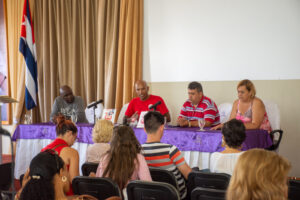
x: 294, y: 189
x: 100, y: 188
x: 200, y: 193
x: 210, y: 180
x: 89, y: 167
x: 162, y: 175
x: 137, y: 190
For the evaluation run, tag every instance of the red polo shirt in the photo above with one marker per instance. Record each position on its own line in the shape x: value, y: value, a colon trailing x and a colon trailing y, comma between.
x: 138, y: 105
x: 206, y: 109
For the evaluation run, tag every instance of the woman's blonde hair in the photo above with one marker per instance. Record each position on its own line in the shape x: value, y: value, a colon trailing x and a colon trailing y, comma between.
x: 259, y: 175
x: 102, y: 131
x: 249, y: 86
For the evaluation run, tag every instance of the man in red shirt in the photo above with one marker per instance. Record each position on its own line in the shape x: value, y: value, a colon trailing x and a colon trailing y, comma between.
x: 143, y: 102
x: 198, y: 107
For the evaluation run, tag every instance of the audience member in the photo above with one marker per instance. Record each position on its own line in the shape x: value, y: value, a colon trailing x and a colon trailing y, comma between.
x: 66, y: 132
x: 102, y: 133
x: 69, y: 105
x: 124, y: 161
x: 165, y: 156
x: 249, y: 108
x: 197, y: 107
x: 143, y: 101
x: 47, y: 179
x: 259, y: 175
x: 233, y: 137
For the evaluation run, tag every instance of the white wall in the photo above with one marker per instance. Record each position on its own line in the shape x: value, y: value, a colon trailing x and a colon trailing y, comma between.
x: 218, y: 42
x: 221, y: 40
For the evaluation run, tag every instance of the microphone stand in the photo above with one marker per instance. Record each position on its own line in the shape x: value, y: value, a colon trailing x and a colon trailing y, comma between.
x: 94, y: 108
x: 154, y: 108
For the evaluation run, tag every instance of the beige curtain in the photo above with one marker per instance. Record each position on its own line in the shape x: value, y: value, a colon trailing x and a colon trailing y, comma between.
x: 15, y: 60
x: 78, y: 43
x: 130, y: 50
x: 77, y: 46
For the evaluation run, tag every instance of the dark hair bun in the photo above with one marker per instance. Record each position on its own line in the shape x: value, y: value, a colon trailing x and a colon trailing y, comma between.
x: 59, y: 119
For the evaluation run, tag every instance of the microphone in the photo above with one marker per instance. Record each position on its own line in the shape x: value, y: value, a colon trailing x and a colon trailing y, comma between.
x: 95, y: 103
x: 154, y: 105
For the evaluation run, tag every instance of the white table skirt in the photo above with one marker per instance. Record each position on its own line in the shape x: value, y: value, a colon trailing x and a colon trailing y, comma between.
x: 26, y: 149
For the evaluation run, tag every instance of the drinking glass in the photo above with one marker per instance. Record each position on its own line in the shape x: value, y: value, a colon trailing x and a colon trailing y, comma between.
x: 27, y: 119
x: 74, y: 118
x: 165, y: 122
x: 201, y: 123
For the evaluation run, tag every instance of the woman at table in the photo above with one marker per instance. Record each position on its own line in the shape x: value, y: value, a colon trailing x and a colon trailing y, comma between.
x: 102, y: 133
x: 66, y: 133
x: 259, y: 175
x: 248, y: 108
x: 234, y: 135
x: 124, y: 161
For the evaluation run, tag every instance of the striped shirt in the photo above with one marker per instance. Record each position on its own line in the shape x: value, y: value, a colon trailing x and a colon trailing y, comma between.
x: 206, y: 109
x: 168, y: 157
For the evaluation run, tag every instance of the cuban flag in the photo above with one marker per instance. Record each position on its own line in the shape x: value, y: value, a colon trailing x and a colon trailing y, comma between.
x: 27, y: 48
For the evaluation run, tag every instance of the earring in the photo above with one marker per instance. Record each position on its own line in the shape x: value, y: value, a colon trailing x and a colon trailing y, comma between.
x: 64, y: 179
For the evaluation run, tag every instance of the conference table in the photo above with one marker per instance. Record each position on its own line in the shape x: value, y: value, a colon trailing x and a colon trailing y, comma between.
x: 195, y: 145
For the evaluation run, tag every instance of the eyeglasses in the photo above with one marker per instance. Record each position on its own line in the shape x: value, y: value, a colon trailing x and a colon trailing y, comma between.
x: 55, y: 154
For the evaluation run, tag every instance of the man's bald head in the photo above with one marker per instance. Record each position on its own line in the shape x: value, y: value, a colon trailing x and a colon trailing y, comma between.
x: 66, y: 93
x: 141, y: 89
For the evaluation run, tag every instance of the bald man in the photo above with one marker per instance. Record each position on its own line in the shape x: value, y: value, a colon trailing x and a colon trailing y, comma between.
x: 68, y: 105
x: 143, y: 101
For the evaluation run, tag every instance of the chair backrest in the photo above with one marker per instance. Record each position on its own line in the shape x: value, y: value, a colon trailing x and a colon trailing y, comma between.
x: 224, y: 111
x: 294, y: 190
x: 273, y: 113
x: 122, y: 113
x: 5, y: 174
x: 100, y: 188
x: 137, y: 190
x: 207, y: 194
x: 89, y: 167
x: 89, y: 113
x: 163, y: 175
x: 207, y: 180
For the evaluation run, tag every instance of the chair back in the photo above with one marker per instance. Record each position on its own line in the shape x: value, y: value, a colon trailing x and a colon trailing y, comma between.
x: 207, y: 180
x: 163, y: 175
x: 224, y: 111
x: 137, y: 190
x: 89, y: 167
x: 100, y: 188
x: 294, y: 189
x: 273, y: 113
x: 5, y: 174
x: 122, y: 113
x: 207, y: 194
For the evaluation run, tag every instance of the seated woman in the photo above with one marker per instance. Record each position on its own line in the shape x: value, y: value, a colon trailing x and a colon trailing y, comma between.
x: 233, y: 137
x: 66, y: 132
x: 102, y: 133
x: 124, y: 161
x: 46, y: 179
x: 248, y: 108
x: 259, y: 175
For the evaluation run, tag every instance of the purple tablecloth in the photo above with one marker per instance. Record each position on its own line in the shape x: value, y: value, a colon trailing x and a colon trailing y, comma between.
x: 186, y: 139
